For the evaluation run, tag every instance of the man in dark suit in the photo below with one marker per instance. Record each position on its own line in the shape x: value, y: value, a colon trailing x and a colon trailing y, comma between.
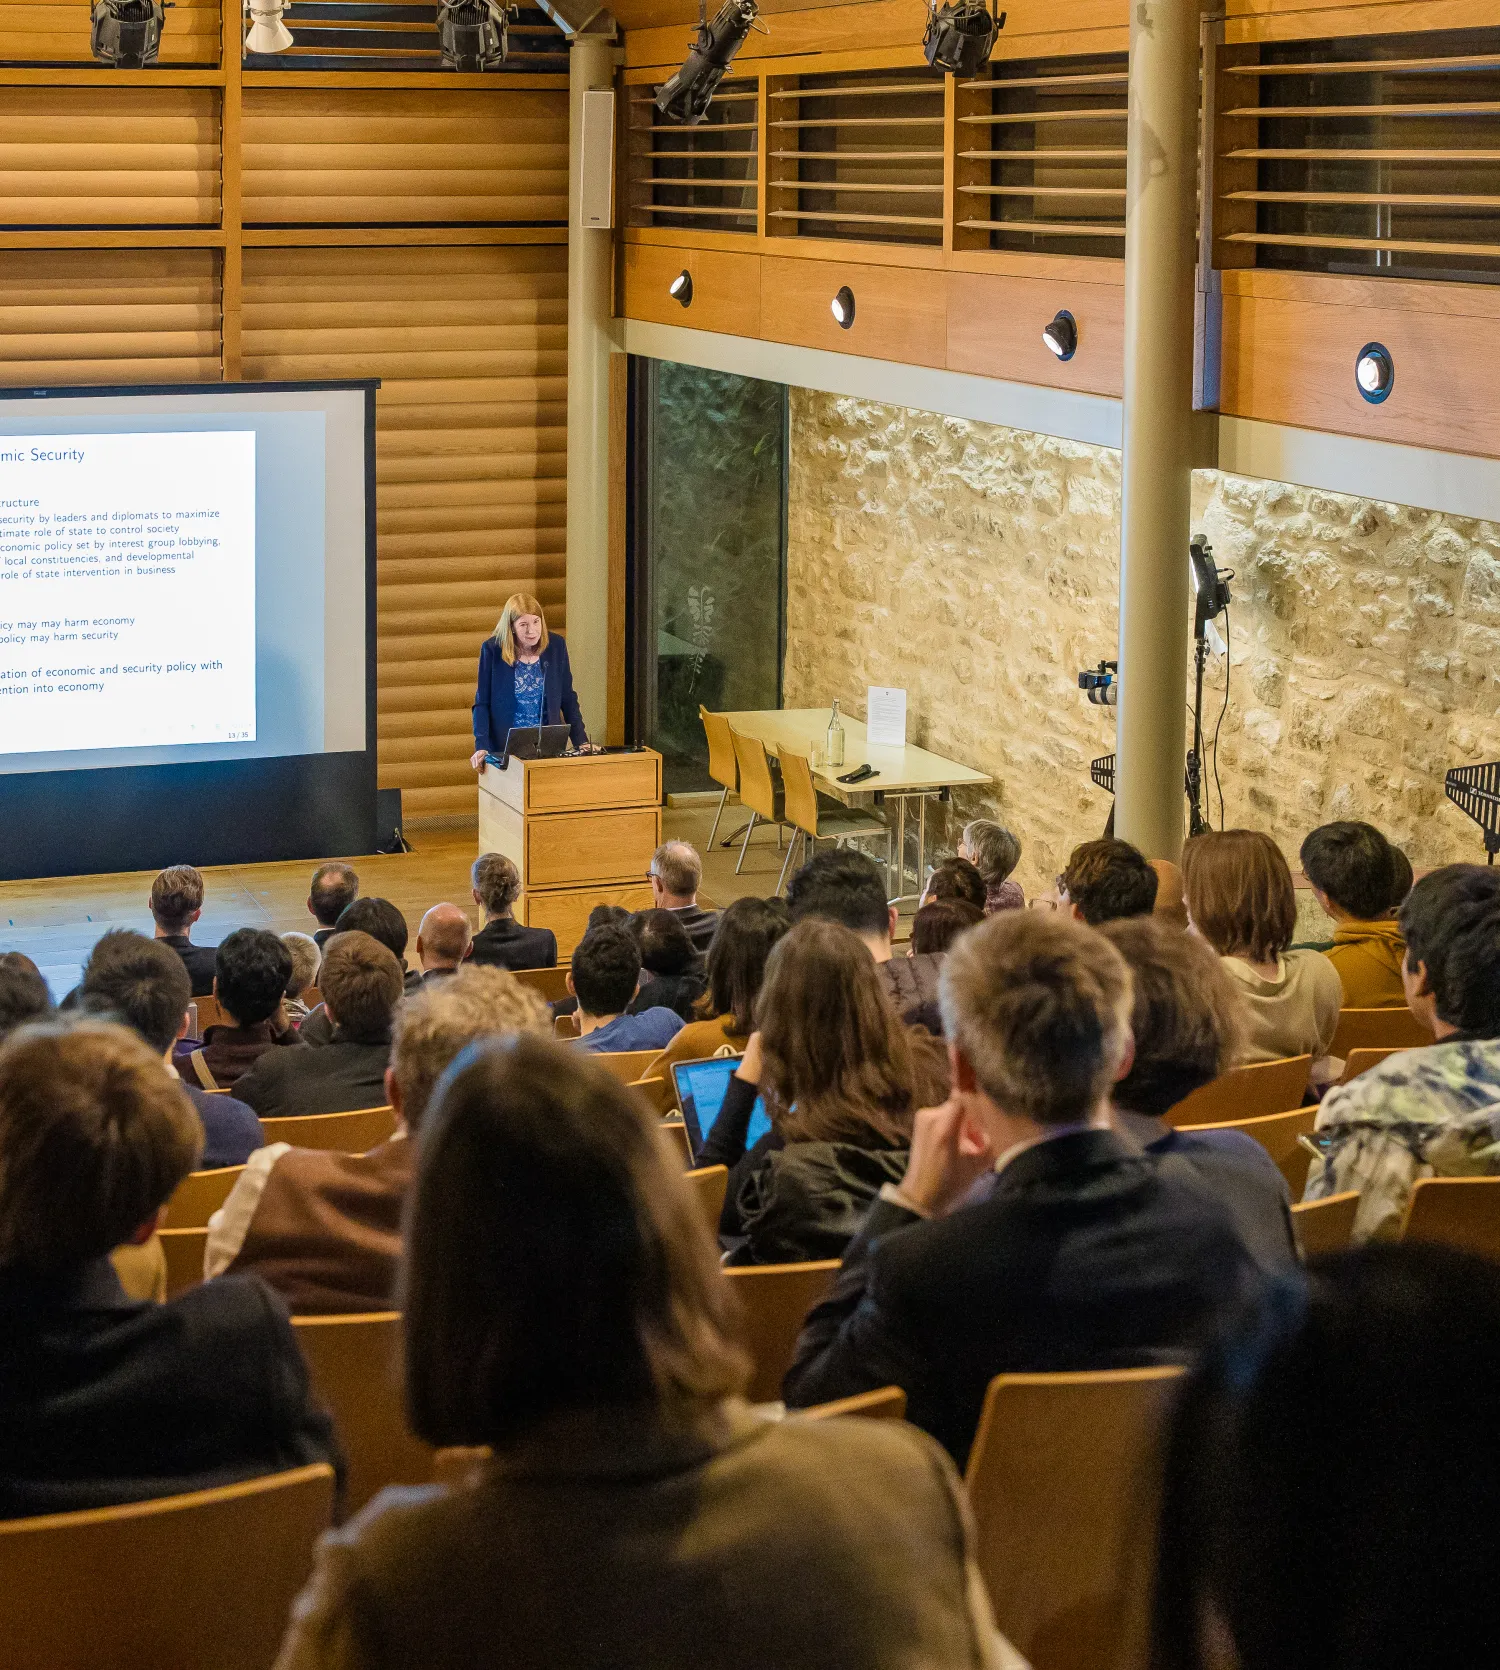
x: 103, y: 1399
x: 676, y: 873
x: 176, y: 904
x: 334, y: 888
x: 502, y: 941
x: 361, y: 983
x: 1026, y: 1236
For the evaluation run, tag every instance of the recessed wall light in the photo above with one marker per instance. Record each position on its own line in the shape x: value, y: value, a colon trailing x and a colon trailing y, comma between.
x: 843, y: 307
x: 1374, y: 372
x: 681, y: 288
x: 1061, y: 336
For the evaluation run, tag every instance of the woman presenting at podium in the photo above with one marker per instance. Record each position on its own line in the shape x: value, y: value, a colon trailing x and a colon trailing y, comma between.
x: 524, y: 679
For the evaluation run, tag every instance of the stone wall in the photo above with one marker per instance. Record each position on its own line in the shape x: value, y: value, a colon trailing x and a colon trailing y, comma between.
x: 977, y: 566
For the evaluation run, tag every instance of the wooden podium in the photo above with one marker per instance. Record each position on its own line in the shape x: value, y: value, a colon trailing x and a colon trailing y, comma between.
x: 581, y: 831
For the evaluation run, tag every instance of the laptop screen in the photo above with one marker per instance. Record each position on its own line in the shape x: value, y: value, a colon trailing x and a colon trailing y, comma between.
x: 701, y: 1088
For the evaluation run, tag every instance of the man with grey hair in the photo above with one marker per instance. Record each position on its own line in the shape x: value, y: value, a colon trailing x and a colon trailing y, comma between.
x: 442, y: 942
x: 1026, y: 1236
x: 675, y: 874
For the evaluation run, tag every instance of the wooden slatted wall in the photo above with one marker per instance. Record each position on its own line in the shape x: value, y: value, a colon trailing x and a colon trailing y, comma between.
x: 57, y: 32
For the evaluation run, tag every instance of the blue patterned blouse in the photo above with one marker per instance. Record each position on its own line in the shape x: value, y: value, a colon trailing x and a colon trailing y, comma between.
x: 531, y: 692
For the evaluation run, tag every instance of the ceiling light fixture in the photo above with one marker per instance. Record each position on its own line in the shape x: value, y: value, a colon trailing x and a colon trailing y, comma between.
x: 267, y: 32
x: 474, y: 35
x: 126, y: 34
x: 843, y: 307
x: 1061, y: 336
x: 681, y: 288
x: 960, y: 36
x: 685, y: 97
x: 1374, y: 372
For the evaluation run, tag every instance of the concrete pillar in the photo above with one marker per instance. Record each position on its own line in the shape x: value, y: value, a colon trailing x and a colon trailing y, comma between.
x: 590, y: 332
x: 1160, y: 252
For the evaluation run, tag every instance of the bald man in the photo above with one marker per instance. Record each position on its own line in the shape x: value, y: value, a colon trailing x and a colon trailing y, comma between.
x: 443, y: 942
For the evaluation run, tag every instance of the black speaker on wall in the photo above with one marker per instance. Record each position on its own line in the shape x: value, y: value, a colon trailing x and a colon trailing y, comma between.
x: 388, y: 835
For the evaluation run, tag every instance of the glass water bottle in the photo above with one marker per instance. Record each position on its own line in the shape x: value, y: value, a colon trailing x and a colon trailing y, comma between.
x: 835, y: 738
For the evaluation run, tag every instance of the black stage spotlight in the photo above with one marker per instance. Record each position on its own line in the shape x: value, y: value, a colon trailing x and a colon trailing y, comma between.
x: 843, y: 307
x: 474, y: 35
x: 681, y: 288
x: 126, y: 34
x: 685, y: 96
x: 1374, y: 372
x: 960, y: 36
x: 1061, y: 336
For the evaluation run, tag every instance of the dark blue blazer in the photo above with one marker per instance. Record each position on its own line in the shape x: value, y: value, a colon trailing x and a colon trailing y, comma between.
x: 495, y: 698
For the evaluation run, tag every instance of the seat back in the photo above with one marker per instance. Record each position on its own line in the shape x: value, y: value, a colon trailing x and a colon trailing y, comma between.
x: 565, y: 1026
x: 722, y: 765
x: 183, y: 1250
x: 1462, y: 1211
x: 209, y: 1013
x: 550, y: 984
x: 674, y: 1134
x: 1325, y: 1226
x: 347, y: 1133
x: 203, y: 1580
x: 199, y: 1195
x: 774, y: 1300
x: 626, y: 1065
x: 801, y: 805
x: 757, y: 790
x: 1065, y: 1481
x: 1244, y: 1092
x: 658, y: 1092
x: 1278, y: 1134
x: 887, y: 1404
x: 709, y: 1186
x: 1362, y: 1060
x: 356, y: 1369
x: 1378, y: 1029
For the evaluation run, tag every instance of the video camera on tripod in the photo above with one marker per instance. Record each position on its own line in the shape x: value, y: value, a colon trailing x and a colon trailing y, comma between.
x: 1101, y: 684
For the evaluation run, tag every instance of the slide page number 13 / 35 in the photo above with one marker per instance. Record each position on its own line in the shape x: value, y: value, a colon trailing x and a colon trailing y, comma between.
x: 127, y: 590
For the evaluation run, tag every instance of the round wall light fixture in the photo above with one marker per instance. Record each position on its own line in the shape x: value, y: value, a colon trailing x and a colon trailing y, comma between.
x: 1374, y: 372
x: 843, y: 307
x: 1061, y: 336
x: 681, y: 288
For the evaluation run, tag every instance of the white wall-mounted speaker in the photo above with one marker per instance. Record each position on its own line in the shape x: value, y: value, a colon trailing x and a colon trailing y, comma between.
x: 596, y: 205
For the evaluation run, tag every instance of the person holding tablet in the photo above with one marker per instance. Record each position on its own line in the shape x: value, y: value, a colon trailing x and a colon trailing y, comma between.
x: 524, y: 680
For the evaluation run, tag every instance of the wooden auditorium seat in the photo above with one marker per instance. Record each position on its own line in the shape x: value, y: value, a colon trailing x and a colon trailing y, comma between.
x: 1244, y: 1092
x: 210, y: 1014
x: 347, y: 1133
x: 550, y: 984
x: 1362, y: 1060
x: 1325, y: 1226
x: 627, y: 1065
x: 199, y: 1195
x: 709, y: 1186
x: 658, y: 1092
x: 1278, y: 1134
x: 886, y: 1404
x: 1378, y: 1029
x: 183, y: 1249
x: 1460, y: 1211
x: 774, y: 1299
x: 674, y: 1134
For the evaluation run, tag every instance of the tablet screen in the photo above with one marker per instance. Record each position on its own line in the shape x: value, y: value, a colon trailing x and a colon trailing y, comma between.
x: 701, y: 1088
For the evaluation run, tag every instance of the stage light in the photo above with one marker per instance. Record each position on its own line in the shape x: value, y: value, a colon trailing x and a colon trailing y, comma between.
x: 960, y: 36
x: 1061, y: 336
x: 267, y: 31
x: 126, y: 34
x: 681, y: 288
x: 685, y: 96
x: 1374, y: 372
x: 474, y: 35
x: 843, y: 307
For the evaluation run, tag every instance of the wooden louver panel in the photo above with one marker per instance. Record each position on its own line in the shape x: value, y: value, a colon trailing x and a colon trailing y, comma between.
x: 471, y: 347
x: 857, y: 156
x: 108, y: 316
x: 398, y: 35
x: 365, y: 158
x: 702, y: 176
x: 1041, y: 156
x: 1378, y: 155
x: 109, y: 156
x: 57, y: 32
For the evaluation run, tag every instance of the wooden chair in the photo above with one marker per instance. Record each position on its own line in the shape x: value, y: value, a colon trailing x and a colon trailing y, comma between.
x: 888, y: 1404
x: 674, y: 1134
x: 1378, y: 1029
x: 658, y: 1092
x: 199, y: 1195
x: 1362, y: 1060
x: 312, y: 997
x: 209, y: 1014
x: 1461, y: 1211
x: 550, y: 984
x: 723, y: 767
x: 1065, y: 1479
x: 355, y: 1364
x: 709, y: 1186
x: 1245, y: 1092
x: 812, y: 823
x: 758, y: 789
x: 183, y: 1249
x: 1278, y: 1134
x: 346, y: 1133
x: 202, y: 1581
x: 626, y: 1065
x: 774, y: 1300
x: 565, y: 1027
x: 1325, y: 1226
x: 457, y: 1465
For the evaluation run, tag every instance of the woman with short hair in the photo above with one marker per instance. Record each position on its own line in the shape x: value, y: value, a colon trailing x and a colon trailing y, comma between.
x: 994, y: 852
x: 524, y: 680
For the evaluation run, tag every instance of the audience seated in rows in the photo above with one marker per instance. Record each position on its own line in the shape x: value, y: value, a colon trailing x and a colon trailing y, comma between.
x: 252, y: 969
x: 1372, y: 1545
x: 502, y: 942
x: 103, y: 1399
x: 743, y: 940
x: 841, y: 1078
x: 334, y: 888
x: 176, y: 903
x: 385, y: 924
x: 671, y: 970
x: 605, y: 976
x: 994, y: 852
x: 443, y: 939
x: 361, y: 988
x: 956, y: 878
x: 324, y: 1228
x: 1026, y: 1234
x: 24, y: 994
x: 142, y: 984
x: 1186, y: 1023
x: 1354, y: 874
x: 1433, y: 1111
x: 306, y: 961
x: 1106, y: 881
x: 564, y: 1306
x: 675, y: 874
x: 1241, y: 901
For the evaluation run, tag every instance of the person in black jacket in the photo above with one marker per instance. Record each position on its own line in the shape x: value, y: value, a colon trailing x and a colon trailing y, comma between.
x: 1025, y: 1236
x: 672, y: 974
x: 102, y: 1399
x: 176, y: 904
x: 502, y: 941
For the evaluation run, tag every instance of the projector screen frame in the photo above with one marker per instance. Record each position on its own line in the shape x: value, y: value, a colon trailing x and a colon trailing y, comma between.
x: 106, y: 819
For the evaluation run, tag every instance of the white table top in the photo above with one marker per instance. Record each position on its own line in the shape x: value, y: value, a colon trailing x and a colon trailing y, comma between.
x: 908, y: 770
